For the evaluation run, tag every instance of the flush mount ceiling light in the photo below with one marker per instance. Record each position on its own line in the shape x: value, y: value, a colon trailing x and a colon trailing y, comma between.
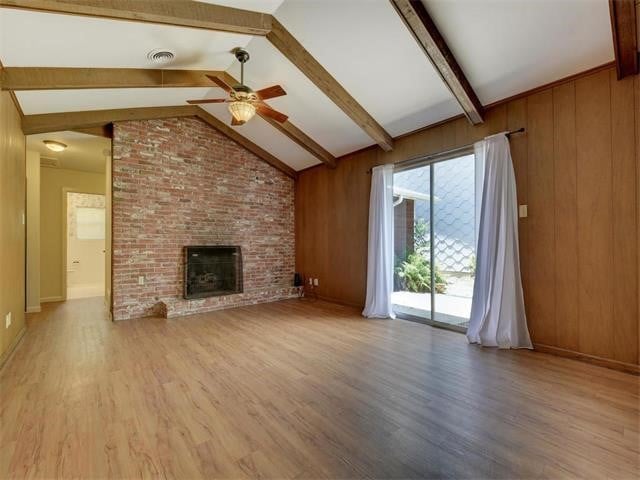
x: 161, y: 56
x: 244, y: 102
x: 54, y: 146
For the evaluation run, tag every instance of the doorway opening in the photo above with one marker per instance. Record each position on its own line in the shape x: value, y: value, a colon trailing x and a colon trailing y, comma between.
x: 436, y: 218
x: 85, y: 245
x: 68, y: 216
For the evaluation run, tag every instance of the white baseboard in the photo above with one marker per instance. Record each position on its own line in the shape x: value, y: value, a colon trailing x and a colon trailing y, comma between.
x: 52, y: 299
x: 33, y: 309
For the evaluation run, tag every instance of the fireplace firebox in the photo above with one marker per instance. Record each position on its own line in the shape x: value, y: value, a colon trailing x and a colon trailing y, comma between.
x: 212, y: 271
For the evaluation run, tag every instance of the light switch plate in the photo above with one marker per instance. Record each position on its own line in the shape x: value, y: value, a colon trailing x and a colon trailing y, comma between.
x: 140, y: 280
x: 522, y: 211
x: 7, y: 320
x: 315, y: 282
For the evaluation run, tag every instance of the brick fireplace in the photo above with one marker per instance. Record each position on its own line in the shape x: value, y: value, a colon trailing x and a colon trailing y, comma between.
x: 178, y: 182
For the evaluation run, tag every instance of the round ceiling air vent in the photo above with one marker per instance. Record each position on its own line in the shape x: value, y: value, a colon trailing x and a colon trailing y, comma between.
x: 161, y: 55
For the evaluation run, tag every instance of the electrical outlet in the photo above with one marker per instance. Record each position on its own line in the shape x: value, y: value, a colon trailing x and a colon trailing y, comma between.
x: 7, y: 320
x: 141, y: 280
x: 315, y: 282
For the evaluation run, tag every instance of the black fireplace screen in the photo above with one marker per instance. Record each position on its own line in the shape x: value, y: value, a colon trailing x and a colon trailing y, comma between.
x: 212, y: 270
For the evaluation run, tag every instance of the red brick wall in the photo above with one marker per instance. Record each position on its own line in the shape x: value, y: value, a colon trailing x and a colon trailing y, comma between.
x: 179, y: 182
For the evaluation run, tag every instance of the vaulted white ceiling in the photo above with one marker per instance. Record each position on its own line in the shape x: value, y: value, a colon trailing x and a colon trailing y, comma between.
x: 504, y: 47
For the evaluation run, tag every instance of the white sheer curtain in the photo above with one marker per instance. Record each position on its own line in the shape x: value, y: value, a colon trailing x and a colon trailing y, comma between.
x: 380, y: 253
x: 497, y: 311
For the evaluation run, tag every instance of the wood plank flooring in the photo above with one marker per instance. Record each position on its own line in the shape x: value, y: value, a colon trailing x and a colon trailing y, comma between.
x: 300, y: 389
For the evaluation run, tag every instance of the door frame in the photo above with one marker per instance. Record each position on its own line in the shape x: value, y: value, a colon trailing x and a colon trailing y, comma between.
x: 431, y: 161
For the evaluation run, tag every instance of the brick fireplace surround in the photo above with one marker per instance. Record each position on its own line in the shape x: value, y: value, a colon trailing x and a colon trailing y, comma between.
x: 179, y: 182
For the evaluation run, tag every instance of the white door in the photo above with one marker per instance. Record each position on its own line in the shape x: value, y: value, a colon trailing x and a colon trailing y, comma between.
x: 85, y: 245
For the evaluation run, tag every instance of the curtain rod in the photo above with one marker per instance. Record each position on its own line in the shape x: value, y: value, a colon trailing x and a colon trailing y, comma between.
x: 444, y: 153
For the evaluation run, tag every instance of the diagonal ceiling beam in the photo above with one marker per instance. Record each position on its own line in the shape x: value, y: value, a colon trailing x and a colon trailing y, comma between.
x: 182, y: 13
x: 296, y: 53
x: 55, y: 122
x: 246, y: 143
x: 421, y: 26
x: 60, y: 78
x: 625, y: 41
x: 294, y: 133
x: 302, y: 139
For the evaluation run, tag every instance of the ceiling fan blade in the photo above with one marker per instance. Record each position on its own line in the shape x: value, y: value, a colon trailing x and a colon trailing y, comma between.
x: 235, y: 122
x: 207, y: 100
x: 270, y: 112
x: 221, y: 83
x: 271, y: 92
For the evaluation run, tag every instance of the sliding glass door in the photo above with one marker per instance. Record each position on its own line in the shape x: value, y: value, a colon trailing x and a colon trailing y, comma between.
x: 412, y: 210
x: 436, y: 216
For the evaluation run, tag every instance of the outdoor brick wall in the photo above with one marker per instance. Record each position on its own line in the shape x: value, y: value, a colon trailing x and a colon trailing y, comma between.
x: 179, y: 182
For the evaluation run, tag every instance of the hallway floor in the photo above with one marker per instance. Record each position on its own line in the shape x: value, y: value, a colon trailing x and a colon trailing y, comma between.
x: 85, y: 291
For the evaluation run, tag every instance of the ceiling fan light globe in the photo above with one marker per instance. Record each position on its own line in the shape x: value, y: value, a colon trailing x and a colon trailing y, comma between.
x: 242, y: 111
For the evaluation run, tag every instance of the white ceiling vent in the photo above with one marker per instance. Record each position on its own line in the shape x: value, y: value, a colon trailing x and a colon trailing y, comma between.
x: 161, y: 56
x: 49, y: 162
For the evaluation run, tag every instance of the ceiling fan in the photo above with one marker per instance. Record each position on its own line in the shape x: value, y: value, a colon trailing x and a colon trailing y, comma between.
x: 244, y: 102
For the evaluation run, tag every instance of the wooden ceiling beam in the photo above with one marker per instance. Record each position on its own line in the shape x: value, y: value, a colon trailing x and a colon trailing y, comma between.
x: 424, y: 30
x: 105, y: 131
x: 56, y: 78
x: 293, y: 133
x: 56, y: 122
x: 296, y: 54
x: 182, y: 13
x: 625, y: 41
x: 246, y: 143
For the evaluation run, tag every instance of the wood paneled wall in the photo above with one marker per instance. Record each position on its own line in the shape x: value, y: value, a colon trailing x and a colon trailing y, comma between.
x: 12, y: 226
x: 578, y: 171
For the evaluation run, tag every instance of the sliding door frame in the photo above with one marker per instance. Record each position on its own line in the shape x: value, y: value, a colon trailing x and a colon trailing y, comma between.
x: 430, y: 161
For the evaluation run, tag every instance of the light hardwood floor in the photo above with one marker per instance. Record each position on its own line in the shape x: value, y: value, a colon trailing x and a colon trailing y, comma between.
x: 300, y: 389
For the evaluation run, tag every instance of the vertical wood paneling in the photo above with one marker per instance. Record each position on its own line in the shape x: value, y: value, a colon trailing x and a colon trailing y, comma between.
x: 637, y: 120
x: 448, y: 132
x: 495, y: 121
x: 462, y: 129
x: 624, y: 189
x: 12, y: 231
x: 577, y: 167
x: 541, y: 220
x: 321, y: 213
x: 351, y: 219
x: 594, y: 214
x: 566, y: 263
x: 517, y: 118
